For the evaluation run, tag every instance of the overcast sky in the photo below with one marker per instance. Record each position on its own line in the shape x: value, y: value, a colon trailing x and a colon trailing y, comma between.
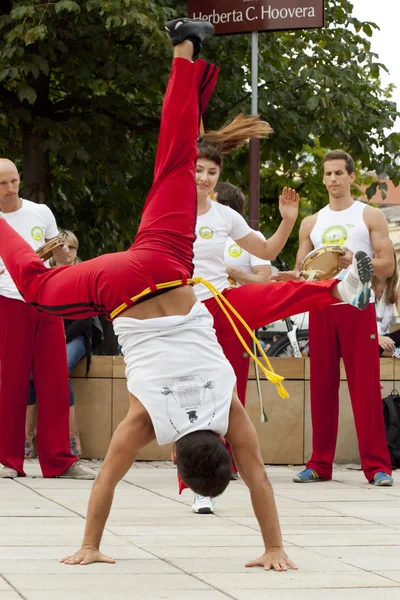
x: 386, y: 14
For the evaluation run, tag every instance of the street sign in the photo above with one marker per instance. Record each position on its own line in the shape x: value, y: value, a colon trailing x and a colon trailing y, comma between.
x: 245, y: 16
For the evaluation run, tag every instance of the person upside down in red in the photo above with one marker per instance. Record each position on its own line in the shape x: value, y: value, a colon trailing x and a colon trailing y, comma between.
x: 182, y: 388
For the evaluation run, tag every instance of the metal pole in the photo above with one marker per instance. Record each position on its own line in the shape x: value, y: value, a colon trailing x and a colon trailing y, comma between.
x: 254, y: 154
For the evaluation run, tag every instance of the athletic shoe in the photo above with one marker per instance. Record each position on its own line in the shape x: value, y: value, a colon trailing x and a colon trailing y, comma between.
x: 382, y: 479
x: 196, y: 31
x: 234, y: 476
x: 7, y: 473
x: 355, y: 288
x: 76, y: 471
x: 203, y: 505
x: 307, y: 476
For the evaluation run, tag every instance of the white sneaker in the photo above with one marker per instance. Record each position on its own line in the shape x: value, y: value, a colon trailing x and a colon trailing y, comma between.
x: 355, y: 288
x: 203, y: 505
x: 76, y: 471
x: 8, y: 473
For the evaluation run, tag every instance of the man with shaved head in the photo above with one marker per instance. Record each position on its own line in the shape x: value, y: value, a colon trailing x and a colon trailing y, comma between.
x: 31, y: 342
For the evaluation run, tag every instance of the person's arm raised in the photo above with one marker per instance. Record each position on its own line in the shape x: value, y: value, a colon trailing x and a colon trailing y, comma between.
x: 269, y: 249
x: 305, y: 247
x: 246, y: 452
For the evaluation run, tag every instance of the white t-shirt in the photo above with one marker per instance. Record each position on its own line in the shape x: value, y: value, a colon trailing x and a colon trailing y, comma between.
x: 176, y: 368
x: 36, y: 224
x: 238, y: 258
x: 212, y: 231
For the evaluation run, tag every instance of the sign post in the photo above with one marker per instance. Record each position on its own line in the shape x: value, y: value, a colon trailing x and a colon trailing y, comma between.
x: 252, y: 16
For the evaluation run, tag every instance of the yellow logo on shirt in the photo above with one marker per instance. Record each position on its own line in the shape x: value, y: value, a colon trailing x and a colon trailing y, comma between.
x: 37, y: 234
x: 206, y: 233
x: 335, y: 234
x: 235, y: 251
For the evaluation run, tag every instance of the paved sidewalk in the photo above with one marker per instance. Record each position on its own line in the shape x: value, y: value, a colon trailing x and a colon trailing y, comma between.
x: 344, y: 536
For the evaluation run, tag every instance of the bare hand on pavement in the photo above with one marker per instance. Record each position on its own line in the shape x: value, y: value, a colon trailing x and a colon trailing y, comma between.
x: 273, y: 559
x: 85, y: 556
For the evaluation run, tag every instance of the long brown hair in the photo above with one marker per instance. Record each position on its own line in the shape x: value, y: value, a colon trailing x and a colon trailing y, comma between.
x: 391, y: 283
x: 214, y: 144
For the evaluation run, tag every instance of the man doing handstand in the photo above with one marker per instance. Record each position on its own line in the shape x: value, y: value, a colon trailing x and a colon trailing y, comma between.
x: 181, y: 385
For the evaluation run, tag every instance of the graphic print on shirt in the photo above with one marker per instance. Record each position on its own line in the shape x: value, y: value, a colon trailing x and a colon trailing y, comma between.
x: 235, y: 251
x: 207, y: 233
x: 336, y: 235
x: 191, y: 394
x: 37, y: 233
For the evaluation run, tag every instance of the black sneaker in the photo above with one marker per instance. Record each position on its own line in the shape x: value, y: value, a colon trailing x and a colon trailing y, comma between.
x: 193, y: 30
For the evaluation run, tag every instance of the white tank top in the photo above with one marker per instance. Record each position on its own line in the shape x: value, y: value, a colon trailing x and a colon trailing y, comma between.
x: 342, y: 228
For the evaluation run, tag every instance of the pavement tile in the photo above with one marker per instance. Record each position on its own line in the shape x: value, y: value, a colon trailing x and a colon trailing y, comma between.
x: 304, y: 560
x: 54, y: 567
x: 368, y: 557
x: 203, y: 541
x: 318, y: 594
x: 4, y: 587
x: 81, y: 579
x: 259, y: 579
x: 35, y: 553
x: 121, y: 594
x: 202, y: 527
x: 332, y: 539
x: 52, y: 540
x: 393, y: 575
x: 165, y: 552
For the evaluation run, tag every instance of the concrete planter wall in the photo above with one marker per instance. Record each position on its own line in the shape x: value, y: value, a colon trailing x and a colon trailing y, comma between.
x: 102, y: 402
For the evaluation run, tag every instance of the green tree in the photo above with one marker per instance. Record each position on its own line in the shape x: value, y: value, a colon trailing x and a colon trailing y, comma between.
x: 81, y: 87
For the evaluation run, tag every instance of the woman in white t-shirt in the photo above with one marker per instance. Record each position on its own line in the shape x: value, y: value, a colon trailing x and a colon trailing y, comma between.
x: 387, y: 296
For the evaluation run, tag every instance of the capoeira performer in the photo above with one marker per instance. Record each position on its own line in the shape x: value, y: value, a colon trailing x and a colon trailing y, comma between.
x: 181, y: 385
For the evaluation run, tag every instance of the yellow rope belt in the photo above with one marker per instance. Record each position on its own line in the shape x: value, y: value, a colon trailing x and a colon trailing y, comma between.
x: 225, y: 306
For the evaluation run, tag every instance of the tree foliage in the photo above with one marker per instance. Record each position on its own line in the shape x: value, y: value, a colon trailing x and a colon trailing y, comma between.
x: 81, y: 87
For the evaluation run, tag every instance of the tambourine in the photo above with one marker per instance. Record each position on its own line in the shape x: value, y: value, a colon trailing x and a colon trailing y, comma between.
x: 322, y: 264
x: 46, y: 251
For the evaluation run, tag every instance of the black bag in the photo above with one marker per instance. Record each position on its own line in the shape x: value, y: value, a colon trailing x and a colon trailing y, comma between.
x: 391, y: 412
x: 97, y: 332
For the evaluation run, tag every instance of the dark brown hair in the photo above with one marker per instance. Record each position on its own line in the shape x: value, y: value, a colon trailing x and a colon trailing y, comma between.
x: 214, y: 144
x: 340, y: 155
x: 203, y: 463
x: 230, y: 195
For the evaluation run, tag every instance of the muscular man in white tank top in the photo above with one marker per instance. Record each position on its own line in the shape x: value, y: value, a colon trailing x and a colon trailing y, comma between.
x: 335, y: 331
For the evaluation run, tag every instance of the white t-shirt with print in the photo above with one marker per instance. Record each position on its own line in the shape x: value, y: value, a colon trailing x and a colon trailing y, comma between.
x: 238, y: 258
x: 212, y: 231
x: 36, y: 224
x: 176, y: 368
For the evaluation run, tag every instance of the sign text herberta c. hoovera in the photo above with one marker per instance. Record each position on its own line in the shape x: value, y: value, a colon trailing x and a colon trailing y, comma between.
x: 245, y: 16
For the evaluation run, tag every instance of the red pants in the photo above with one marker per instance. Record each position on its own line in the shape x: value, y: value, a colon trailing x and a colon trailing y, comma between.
x: 335, y: 332
x: 33, y: 342
x: 163, y: 247
x: 260, y: 304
